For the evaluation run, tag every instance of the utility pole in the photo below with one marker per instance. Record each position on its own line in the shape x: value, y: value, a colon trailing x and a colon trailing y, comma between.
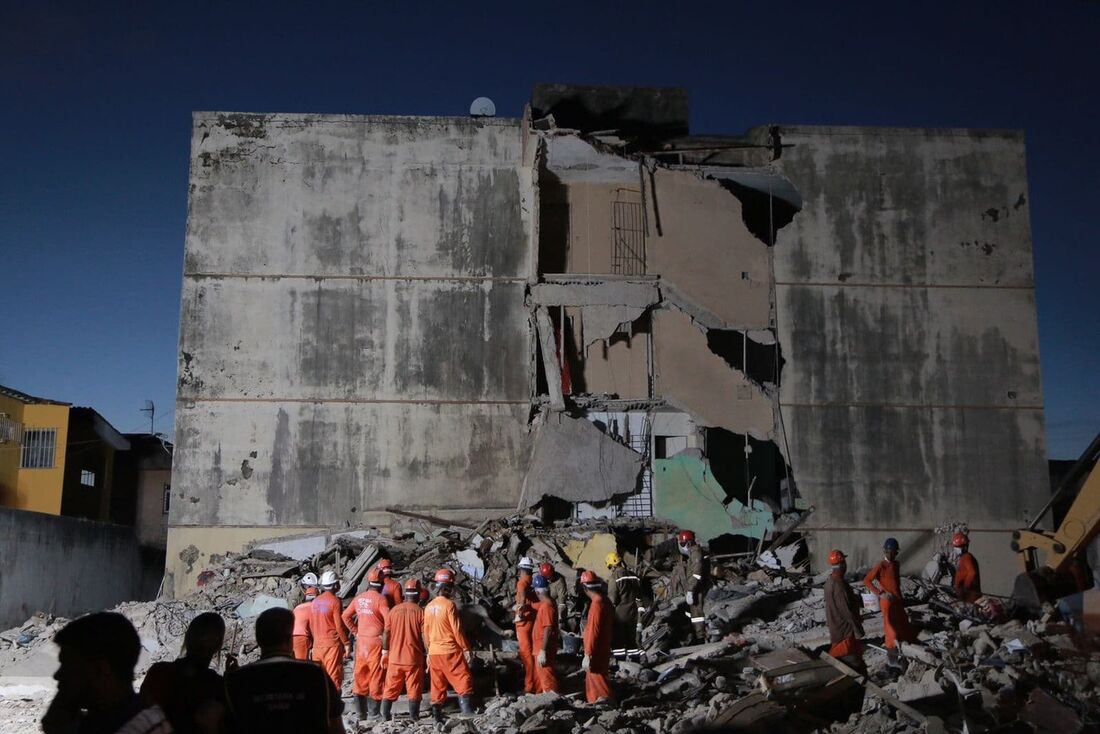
x: 151, y: 410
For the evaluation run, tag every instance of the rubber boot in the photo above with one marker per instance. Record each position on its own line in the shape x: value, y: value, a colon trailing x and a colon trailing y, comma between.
x: 387, y: 710
x: 373, y: 706
x: 361, y: 706
x: 464, y: 705
x: 414, y: 710
x: 437, y: 713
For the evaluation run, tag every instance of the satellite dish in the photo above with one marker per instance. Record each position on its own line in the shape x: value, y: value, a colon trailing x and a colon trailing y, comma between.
x: 483, y: 107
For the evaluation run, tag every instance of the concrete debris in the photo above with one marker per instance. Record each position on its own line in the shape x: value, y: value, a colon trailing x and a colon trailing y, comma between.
x: 573, y: 460
x: 762, y: 667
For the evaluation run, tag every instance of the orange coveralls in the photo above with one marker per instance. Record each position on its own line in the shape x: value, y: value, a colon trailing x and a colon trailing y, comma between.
x: 405, y: 625
x: 546, y: 630
x: 367, y: 612
x: 525, y: 600
x: 597, y: 646
x: 392, y: 591
x: 968, y: 579
x: 895, y: 622
x: 302, y: 638
x: 329, y: 636
x: 446, y: 645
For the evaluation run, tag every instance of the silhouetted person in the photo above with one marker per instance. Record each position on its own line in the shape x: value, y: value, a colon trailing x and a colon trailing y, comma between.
x: 278, y: 693
x: 191, y: 695
x: 95, y: 681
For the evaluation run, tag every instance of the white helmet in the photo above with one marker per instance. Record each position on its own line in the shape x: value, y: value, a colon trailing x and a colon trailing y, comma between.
x: 328, y: 580
x: 527, y: 563
x: 310, y: 579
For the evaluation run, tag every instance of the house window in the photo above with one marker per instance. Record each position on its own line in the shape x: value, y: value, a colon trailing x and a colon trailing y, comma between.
x: 87, y: 477
x: 38, y: 448
x: 167, y: 499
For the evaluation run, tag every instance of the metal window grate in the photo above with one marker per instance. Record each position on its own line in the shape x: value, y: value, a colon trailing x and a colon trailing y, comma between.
x: 10, y: 430
x: 627, y: 238
x: 167, y: 499
x: 87, y: 477
x: 38, y: 448
x: 640, y: 504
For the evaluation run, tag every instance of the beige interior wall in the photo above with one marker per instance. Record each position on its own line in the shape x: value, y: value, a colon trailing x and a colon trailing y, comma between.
x: 616, y: 367
x: 590, y: 220
x: 706, y: 251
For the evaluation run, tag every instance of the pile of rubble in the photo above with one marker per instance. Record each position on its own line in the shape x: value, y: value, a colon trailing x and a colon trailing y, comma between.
x: 762, y: 667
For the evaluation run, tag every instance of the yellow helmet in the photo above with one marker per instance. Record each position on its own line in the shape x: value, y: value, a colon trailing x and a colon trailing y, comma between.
x: 612, y: 559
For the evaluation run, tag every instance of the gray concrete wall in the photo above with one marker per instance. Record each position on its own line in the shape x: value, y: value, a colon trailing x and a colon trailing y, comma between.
x: 906, y: 313
x: 353, y: 333
x: 66, y: 566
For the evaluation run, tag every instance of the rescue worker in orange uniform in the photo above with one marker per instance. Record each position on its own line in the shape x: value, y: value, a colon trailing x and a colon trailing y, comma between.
x: 545, y: 636
x: 391, y: 588
x: 968, y: 579
x: 365, y: 617
x: 449, y: 652
x: 302, y: 639
x: 524, y: 620
x: 842, y: 614
x: 330, y: 637
x: 597, y: 641
x: 404, y: 651
x: 887, y: 574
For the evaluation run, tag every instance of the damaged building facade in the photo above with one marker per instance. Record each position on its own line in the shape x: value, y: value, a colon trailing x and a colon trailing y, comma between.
x: 589, y: 311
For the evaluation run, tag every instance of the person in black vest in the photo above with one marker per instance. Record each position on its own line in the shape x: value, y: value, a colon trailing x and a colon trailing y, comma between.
x: 279, y: 693
x: 190, y: 693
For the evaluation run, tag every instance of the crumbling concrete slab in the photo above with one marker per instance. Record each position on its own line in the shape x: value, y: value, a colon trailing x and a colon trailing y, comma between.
x: 590, y: 553
x: 574, y: 461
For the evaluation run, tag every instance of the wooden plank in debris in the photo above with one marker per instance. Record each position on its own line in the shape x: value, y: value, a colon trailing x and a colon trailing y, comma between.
x: 349, y: 584
x: 712, y: 648
x: 931, y: 724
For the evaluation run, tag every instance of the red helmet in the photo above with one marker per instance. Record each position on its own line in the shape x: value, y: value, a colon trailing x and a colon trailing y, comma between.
x: 590, y: 580
x: 686, y: 536
x: 412, y: 588
x: 386, y: 565
x: 836, y: 557
x: 374, y: 577
x: 959, y: 540
x: 546, y: 570
x: 444, y: 576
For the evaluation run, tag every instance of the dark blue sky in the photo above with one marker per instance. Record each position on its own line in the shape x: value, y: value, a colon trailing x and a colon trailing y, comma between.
x: 95, y: 103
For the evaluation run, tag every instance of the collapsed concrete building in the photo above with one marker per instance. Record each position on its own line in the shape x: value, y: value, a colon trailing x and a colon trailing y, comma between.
x: 591, y: 310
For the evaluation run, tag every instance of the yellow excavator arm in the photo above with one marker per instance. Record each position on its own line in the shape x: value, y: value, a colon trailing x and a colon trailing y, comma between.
x: 1041, y: 580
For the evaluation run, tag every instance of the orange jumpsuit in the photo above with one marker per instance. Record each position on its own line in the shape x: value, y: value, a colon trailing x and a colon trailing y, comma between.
x: 446, y: 645
x: 368, y: 613
x: 405, y: 626
x: 329, y: 636
x: 525, y: 600
x: 392, y: 591
x: 302, y: 637
x: 968, y: 580
x: 597, y: 646
x: 546, y: 630
x: 895, y: 622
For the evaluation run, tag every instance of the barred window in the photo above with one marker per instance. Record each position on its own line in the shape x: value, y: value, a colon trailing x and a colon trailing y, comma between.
x: 38, y: 448
x: 87, y: 477
x: 167, y: 498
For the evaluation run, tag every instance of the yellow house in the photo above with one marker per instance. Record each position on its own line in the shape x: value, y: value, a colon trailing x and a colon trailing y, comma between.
x: 33, y: 436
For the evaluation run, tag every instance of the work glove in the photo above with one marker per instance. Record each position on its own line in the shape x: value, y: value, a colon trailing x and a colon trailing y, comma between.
x: 347, y: 650
x: 541, y: 660
x: 690, y: 598
x: 889, y: 596
x: 468, y: 655
x: 385, y: 653
x: 586, y: 663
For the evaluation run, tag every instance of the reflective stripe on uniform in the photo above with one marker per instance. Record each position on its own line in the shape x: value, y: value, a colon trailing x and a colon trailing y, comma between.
x: 697, y: 576
x: 625, y: 578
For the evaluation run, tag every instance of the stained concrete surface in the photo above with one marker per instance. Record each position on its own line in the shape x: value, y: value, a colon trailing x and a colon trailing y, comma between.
x: 911, y: 393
